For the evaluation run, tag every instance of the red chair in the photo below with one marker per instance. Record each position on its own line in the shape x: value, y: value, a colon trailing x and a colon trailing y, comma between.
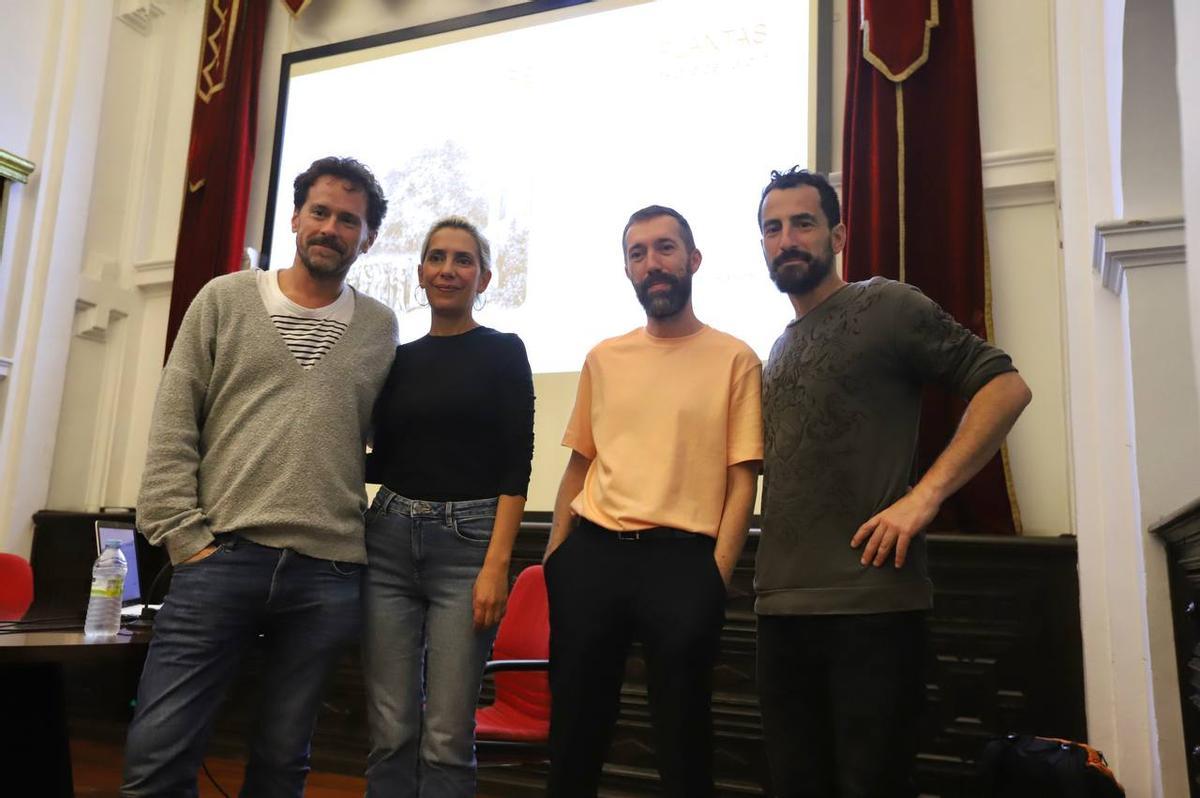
x: 516, y: 726
x: 16, y: 587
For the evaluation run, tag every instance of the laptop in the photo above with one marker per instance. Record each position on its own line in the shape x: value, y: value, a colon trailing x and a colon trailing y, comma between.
x: 126, y: 533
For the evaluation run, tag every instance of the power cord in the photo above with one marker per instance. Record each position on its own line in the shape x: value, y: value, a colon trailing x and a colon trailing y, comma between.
x: 208, y: 773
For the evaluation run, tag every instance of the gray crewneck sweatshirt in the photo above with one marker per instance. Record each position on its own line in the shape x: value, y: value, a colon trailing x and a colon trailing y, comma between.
x: 246, y: 440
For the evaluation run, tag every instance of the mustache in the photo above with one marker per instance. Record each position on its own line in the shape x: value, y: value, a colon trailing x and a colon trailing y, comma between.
x: 655, y: 279
x: 327, y: 241
x: 791, y: 254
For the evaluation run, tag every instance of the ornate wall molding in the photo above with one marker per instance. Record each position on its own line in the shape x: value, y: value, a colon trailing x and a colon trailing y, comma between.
x: 1135, y: 243
x: 1018, y: 177
x: 1010, y: 178
x: 93, y: 320
x: 14, y: 167
x: 149, y: 274
x: 140, y: 14
x: 101, y: 302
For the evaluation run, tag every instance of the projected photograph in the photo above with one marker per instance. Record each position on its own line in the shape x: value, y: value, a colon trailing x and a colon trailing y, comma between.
x: 547, y: 131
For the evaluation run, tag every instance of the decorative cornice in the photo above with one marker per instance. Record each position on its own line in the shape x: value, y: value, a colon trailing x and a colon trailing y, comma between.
x: 101, y: 300
x: 140, y: 14
x: 1181, y: 526
x: 1134, y: 243
x: 1010, y: 178
x: 92, y: 321
x: 14, y: 167
x: 1018, y: 177
x: 150, y: 274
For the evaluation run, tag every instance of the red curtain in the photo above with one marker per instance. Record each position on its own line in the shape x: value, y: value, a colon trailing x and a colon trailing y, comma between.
x: 212, y: 226
x: 912, y: 191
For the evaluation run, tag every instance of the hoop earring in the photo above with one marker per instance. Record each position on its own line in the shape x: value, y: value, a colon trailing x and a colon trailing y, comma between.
x: 480, y: 302
x: 420, y: 296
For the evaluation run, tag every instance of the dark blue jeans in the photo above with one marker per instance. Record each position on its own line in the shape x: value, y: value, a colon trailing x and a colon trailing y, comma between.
x: 307, y: 611
x: 841, y: 699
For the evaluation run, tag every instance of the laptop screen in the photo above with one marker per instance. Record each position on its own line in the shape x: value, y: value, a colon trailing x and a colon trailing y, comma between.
x: 127, y: 534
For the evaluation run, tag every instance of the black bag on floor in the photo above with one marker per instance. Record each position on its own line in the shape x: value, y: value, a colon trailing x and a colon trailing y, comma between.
x: 1024, y: 766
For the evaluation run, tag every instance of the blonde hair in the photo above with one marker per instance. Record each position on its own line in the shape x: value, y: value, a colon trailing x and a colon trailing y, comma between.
x: 483, y: 248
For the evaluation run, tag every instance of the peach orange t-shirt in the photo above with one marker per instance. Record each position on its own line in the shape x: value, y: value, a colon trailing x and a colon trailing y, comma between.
x: 662, y: 419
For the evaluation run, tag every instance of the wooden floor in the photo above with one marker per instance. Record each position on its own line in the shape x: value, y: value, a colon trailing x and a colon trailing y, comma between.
x: 97, y: 771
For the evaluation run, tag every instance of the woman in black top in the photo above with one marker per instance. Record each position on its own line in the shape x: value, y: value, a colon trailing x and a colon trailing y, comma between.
x: 452, y: 450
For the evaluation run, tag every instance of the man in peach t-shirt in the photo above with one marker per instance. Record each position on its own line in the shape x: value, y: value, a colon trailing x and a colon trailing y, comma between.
x: 651, y: 515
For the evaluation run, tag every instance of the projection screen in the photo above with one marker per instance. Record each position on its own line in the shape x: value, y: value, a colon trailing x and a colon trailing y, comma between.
x: 548, y: 129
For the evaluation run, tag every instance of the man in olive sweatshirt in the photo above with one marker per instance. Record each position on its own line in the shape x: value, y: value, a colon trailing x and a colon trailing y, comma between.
x: 254, y: 484
x: 841, y: 574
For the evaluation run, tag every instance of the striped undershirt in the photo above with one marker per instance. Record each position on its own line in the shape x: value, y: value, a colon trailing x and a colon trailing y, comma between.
x: 308, y: 339
x: 308, y: 332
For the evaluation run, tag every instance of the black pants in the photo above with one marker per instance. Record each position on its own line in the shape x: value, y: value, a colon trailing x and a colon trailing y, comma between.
x: 841, y: 699
x: 605, y: 593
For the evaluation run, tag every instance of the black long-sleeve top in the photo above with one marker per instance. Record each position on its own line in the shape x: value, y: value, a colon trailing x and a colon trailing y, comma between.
x: 455, y: 419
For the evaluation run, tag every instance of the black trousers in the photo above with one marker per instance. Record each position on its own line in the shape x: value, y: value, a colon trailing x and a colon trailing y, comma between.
x: 841, y: 699
x: 664, y: 592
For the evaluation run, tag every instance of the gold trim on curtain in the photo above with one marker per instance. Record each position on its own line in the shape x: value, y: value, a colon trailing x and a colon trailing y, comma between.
x: 878, y: 63
x: 208, y: 85
x: 295, y: 12
x: 900, y: 176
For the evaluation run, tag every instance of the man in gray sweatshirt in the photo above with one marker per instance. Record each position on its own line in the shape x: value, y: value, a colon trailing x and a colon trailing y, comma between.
x: 841, y: 576
x: 254, y: 484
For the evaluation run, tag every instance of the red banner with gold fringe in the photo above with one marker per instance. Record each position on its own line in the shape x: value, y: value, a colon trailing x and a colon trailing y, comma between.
x: 212, y: 224
x: 912, y: 187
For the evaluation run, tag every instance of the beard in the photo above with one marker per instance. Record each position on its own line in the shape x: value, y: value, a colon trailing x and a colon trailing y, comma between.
x: 665, y: 303
x: 801, y: 278
x: 324, y: 268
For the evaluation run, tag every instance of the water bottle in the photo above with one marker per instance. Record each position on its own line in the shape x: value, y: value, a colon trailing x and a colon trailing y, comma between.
x: 108, y: 585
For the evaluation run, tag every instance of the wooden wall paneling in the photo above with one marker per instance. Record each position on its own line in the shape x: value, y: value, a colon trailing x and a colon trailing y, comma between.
x: 1181, y: 533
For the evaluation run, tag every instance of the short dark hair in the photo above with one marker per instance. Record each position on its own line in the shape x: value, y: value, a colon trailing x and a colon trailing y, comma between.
x: 653, y: 212
x: 802, y: 177
x: 350, y: 170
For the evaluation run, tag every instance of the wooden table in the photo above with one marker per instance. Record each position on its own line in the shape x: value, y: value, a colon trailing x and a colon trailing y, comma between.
x: 33, y: 711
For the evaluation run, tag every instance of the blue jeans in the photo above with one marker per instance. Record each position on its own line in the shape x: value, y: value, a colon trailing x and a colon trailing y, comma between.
x: 307, y: 610
x: 422, y: 657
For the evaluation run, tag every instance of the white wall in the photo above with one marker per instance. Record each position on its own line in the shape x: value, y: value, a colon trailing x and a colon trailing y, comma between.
x: 54, y: 65
x: 124, y: 291
x: 1135, y: 430
x: 1187, y: 66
